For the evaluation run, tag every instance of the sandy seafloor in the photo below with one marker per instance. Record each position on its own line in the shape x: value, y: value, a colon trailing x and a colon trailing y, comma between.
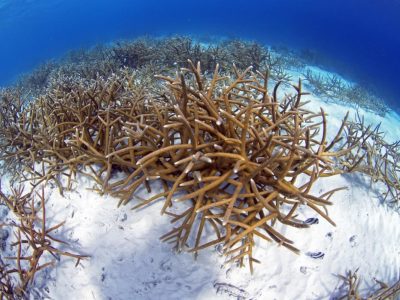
x: 128, y: 261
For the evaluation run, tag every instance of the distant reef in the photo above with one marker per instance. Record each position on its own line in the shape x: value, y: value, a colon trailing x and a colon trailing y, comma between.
x: 161, y: 54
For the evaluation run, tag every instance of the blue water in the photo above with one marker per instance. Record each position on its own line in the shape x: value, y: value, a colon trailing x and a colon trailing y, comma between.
x: 357, y: 38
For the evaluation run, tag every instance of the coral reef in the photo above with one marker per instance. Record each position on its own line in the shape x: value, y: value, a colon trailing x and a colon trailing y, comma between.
x: 333, y: 88
x: 233, y: 155
x: 225, y: 146
x: 172, y: 53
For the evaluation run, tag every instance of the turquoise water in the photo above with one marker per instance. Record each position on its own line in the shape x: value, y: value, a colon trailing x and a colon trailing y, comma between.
x: 356, y: 38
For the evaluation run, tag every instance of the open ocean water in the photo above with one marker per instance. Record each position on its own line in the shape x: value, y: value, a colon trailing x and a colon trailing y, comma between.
x: 356, y: 38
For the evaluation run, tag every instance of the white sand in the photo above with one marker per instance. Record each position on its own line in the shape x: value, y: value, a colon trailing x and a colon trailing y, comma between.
x: 129, y: 262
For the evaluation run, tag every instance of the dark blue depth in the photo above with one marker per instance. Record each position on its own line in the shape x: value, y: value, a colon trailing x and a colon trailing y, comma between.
x: 357, y: 38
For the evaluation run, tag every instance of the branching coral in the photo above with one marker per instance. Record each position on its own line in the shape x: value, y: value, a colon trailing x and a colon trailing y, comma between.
x: 33, y: 239
x: 173, y: 52
x: 234, y: 153
x: 372, y: 155
x: 245, y: 54
x: 71, y: 126
x: 327, y: 86
x: 352, y: 282
x: 136, y: 54
x: 226, y: 146
x: 6, y: 286
x: 334, y: 88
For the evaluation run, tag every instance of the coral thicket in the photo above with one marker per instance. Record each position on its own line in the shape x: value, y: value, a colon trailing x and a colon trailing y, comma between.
x: 233, y: 149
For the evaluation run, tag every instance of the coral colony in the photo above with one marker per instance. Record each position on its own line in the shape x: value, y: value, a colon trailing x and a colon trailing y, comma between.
x: 212, y: 127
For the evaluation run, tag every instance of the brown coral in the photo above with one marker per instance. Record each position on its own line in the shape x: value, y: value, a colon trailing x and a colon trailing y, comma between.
x: 226, y: 146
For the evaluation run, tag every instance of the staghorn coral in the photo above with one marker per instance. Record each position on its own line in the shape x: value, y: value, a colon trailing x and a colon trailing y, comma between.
x: 329, y: 86
x: 285, y: 58
x: 352, y: 283
x: 178, y: 49
x: 229, y: 152
x: 34, y: 240
x: 245, y: 54
x: 137, y: 53
x: 227, y: 147
x: 104, y: 60
x: 38, y: 79
x: 67, y: 127
x: 233, y: 153
x: 6, y: 286
x: 370, y: 154
x: 172, y: 53
x: 334, y: 88
x: 12, y: 104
